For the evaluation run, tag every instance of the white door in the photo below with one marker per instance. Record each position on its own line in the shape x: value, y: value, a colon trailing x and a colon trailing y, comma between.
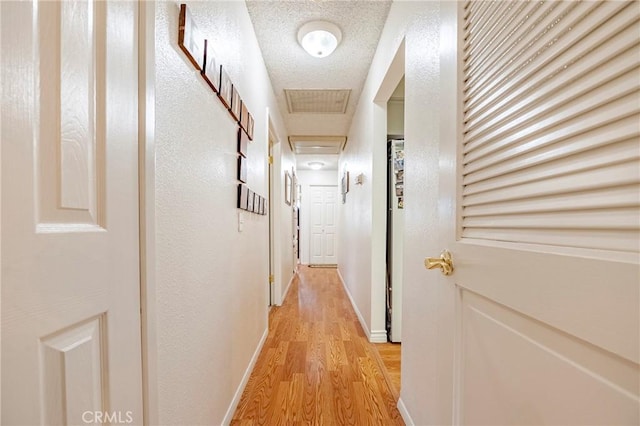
x: 541, y: 313
x: 323, y: 225
x: 70, y: 259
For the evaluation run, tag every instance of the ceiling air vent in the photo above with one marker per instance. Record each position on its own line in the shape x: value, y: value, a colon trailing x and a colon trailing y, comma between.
x: 317, y: 145
x: 317, y: 101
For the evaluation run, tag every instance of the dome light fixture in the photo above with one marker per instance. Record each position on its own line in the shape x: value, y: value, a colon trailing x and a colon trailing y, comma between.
x: 316, y: 165
x: 319, y: 38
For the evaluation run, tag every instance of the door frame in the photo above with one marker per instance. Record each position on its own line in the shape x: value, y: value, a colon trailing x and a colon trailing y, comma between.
x: 272, y: 138
x: 392, y: 77
x: 275, y: 210
x: 147, y: 209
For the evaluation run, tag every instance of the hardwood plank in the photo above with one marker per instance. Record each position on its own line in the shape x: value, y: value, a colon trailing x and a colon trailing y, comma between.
x: 317, y: 367
x: 390, y: 355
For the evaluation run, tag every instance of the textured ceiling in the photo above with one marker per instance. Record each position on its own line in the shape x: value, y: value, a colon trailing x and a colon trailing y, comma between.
x: 276, y: 25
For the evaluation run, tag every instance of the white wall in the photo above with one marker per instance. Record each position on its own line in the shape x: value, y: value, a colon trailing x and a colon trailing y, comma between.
x: 307, y: 178
x: 418, y: 24
x: 395, y: 117
x: 211, y: 280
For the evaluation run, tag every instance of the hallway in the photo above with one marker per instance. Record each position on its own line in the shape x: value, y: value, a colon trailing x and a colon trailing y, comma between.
x: 316, y: 366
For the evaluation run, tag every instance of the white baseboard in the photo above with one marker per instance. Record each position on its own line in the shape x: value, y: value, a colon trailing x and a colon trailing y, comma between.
x: 245, y: 378
x: 377, y: 336
x: 405, y: 413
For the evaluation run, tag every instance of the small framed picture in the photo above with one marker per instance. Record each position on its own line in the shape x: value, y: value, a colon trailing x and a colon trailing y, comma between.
x: 287, y: 188
x: 250, y: 127
x: 256, y: 202
x: 242, y: 169
x: 250, y: 196
x: 190, y: 39
x: 243, y: 142
x: 246, y: 121
x: 211, y: 71
x: 266, y: 207
x: 244, y: 117
x: 262, y: 202
x: 225, y: 91
x: 243, y: 193
x: 236, y: 103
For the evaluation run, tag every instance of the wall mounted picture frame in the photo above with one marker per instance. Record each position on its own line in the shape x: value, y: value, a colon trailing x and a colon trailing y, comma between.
x: 243, y: 196
x: 244, y: 117
x: 256, y: 202
x: 287, y: 188
x: 225, y: 91
x: 250, y: 197
x: 190, y: 39
x: 211, y: 71
x: 242, y: 169
x: 261, y: 209
x: 243, y: 143
x: 294, y: 188
x: 236, y: 103
x: 266, y: 207
x: 250, y: 126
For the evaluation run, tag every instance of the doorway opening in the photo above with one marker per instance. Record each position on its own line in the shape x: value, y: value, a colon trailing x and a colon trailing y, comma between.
x: 395, y: 213
x: 387, y: 208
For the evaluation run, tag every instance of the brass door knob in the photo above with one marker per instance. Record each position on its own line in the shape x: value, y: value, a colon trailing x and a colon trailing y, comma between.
x: 444, y: 262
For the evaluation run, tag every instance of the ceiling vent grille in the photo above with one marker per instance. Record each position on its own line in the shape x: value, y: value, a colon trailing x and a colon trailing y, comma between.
x: 317, y: 101
x: 317, y: 145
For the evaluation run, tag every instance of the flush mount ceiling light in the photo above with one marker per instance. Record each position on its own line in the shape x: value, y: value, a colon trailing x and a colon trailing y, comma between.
x: 316, y: 165
x: 319, y: 38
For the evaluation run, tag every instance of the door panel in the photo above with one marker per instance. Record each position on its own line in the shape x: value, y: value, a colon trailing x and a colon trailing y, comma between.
x: 323, y: 226
x: 543, y: 224
x: 70, y: 294
x: 517, y: 368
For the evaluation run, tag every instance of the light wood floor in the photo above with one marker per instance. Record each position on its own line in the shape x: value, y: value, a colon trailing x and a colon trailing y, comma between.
x: 316, y: 366
x: 390, y: 355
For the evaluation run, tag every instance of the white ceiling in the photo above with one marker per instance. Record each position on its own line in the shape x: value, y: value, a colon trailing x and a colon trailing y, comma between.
x: 276, y: 25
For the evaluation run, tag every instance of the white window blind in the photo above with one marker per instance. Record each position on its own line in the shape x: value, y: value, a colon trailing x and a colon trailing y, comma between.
x: 551, y: 106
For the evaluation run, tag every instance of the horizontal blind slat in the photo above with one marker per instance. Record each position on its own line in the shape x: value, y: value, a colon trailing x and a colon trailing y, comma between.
x: 513, y: 18
x: 547, y: 45
x: 604, y: 157
x: 559, y: 126
x: 616, y: 240
x: 550, y: 149
x: 617, y: 219
x: 525, y: 49
x: 569, y: 101
x: 616, y: 175
x: 616, y: 197
x: 566, y: 69
x: 551, y: 124
x: 511, y: 46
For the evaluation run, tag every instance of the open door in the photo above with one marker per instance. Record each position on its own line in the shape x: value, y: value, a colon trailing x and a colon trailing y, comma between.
x: 540, y: 319
x: 70, y: 244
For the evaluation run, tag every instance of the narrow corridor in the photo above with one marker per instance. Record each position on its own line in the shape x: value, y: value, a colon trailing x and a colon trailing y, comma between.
x: 317, y: 366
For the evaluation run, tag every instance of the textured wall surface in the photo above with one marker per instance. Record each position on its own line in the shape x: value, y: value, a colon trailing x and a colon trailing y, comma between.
x: 212, y: 295
x: 418, y: 24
